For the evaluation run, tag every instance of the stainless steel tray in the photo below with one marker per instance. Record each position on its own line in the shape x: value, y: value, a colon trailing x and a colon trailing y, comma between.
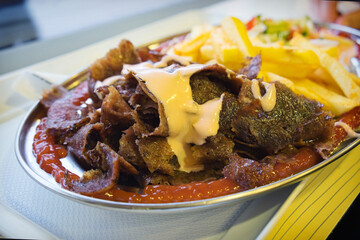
x: 24, y: 153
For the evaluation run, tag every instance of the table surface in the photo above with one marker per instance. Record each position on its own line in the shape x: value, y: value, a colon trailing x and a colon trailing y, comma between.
x: 16, y: 106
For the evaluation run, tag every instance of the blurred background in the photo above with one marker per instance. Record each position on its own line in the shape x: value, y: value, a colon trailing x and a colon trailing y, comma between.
x: 53, y: 27
x: 32, y: 31
x: 60, y: 26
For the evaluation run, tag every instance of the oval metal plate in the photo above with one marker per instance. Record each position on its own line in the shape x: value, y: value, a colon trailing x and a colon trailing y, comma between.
x: 24, y: 153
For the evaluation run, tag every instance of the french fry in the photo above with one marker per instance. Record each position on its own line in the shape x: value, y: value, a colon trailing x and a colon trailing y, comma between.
x: 332, y: 51
x: 322, y: 76
x: 207, y: 53
x: 333, y: 67
x: 332, y: 101
x: 341, y: 76
x: 288, y: 62
x: 236, y: 32
x: 327, y: 45
x: 288, y: 70
x: 308, y: 69
x: 272, y: 77
x: 355, y: 78
x: 346, y: 47
x: 343, y: 42
x: 289, y: 55
x: 191, y: 47
x: 225, y: 51
x: 309, y: 93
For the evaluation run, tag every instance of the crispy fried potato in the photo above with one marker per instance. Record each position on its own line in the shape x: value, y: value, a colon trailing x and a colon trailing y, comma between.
x: 207, y: 53
x: 291, y: 55
x: 193, y: 44
x: 343, y: 49
x: 236, y: 32
x: 225, y: 51
x: 343, y: 78
x: 343, y: 41
x: 288, y: 70
x: 332, y: 51
x: 312, y: 70
x: 272, y: 77
x: 328, y: 46
x: 289, y: 61
x: 332, y: 101
x: 191, y: 47
x: 322, y: 76
x: 355, y: 78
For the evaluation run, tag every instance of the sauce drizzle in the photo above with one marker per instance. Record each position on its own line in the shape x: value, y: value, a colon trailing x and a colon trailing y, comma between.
x: 350, y: 132
x: 48, y: 156
x: 267, y: 101
x: 188, y: 121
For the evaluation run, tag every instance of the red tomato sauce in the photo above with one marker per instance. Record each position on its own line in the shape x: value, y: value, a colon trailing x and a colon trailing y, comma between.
x: 181, y: 193
x: 48, y: 155
x: 304, y: 159
x: 80, y: 94
x: 351, y: 118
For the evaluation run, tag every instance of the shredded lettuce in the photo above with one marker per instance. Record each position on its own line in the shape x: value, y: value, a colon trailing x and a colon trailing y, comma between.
x: 281, y: 30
